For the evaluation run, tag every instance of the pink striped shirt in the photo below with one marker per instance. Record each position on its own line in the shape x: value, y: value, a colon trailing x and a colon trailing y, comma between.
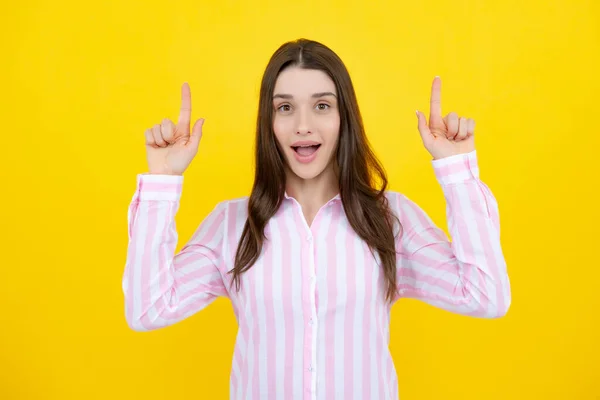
x: 313, y: 323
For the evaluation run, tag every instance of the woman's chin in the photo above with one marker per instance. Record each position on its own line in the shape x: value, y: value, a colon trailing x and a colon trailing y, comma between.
x: 305, y: 171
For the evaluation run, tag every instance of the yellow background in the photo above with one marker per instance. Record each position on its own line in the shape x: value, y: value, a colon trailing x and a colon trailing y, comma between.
x: 81, y: 83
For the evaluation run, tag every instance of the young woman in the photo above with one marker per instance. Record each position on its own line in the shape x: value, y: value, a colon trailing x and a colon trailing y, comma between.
x: 315, y: 257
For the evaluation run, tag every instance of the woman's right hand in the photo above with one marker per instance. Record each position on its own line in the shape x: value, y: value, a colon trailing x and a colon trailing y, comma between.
x: 170, y: 149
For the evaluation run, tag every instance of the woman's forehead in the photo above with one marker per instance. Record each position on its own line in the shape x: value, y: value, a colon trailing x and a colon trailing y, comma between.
x: 301, y: 82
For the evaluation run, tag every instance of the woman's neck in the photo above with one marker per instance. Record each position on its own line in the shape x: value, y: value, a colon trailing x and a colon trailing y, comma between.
x: 312, y: 194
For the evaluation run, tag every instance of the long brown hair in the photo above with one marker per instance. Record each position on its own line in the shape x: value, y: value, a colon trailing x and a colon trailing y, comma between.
x: 360, y: 172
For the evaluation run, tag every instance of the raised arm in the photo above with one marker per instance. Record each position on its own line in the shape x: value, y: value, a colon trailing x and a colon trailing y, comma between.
x: 162, y: 287
x: 466, y: 275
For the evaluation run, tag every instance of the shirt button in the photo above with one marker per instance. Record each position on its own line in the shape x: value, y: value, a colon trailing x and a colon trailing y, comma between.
x: 310, y: 368
x: 312, y: 321
x: 309, y: 238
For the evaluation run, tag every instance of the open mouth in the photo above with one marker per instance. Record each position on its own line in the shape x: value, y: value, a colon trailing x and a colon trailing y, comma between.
x: 305, y: 151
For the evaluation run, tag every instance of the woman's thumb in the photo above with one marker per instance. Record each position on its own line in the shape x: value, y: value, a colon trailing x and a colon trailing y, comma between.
x: 423, y: 128
x: 197, y: 132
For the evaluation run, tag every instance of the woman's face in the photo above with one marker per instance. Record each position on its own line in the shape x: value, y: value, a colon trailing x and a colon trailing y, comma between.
x: 306, y: 120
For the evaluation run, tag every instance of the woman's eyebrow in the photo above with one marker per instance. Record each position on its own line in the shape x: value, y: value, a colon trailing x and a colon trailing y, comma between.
x: 283, y: 96
x: 315, y: 95
x: 323, y: 94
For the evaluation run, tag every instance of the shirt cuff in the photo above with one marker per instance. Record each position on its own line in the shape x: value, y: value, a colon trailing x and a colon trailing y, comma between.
x: 457, y: 168
x: 159, y: 187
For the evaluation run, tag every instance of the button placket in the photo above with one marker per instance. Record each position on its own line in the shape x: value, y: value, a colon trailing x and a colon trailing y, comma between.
x: 313, y: 316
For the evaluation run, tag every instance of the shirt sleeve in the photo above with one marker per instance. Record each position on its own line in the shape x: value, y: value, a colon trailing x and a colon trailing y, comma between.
x: 159, y: 286
x: 467, y: 274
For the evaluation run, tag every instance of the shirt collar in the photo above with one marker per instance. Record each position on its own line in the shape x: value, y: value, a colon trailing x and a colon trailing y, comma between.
x: 336, y: 198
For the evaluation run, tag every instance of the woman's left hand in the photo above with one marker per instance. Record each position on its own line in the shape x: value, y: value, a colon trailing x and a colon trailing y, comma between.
x: 445, y: 136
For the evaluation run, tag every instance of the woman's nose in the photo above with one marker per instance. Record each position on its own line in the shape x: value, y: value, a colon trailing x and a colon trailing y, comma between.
x: 303, y: 124
x: 303, y: 131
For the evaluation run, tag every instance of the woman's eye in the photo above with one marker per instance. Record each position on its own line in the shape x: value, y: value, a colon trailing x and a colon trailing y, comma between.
x: 284, y: 108
x: 322, y: 106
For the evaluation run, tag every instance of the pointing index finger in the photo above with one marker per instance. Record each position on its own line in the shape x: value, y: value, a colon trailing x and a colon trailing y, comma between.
x: 185, y: 114
x: 435, y: 110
